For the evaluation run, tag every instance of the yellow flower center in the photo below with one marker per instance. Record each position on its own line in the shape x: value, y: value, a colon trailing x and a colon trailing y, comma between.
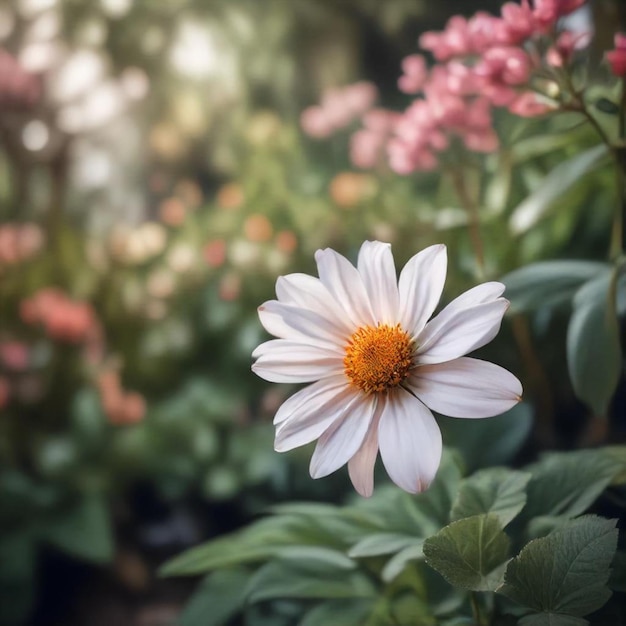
x: 378, y: 358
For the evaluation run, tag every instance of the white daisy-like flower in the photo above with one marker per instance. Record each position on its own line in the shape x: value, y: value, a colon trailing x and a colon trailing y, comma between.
x: 377, y: 365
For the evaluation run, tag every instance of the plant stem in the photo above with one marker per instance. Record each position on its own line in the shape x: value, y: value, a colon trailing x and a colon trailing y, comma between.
x: 471, y: 207
x: 618, y: 233
x: 476, y: 609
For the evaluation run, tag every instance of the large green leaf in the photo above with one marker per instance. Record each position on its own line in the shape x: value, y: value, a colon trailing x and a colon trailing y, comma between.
x: 84, y: 531
x: 594, y: 356
x: 552, y: 619
x: 217, y: 599
x: 469, y: 553
x: 255, y: 543
x: 567, y: 483
x: 495, y: 490
x: 560, y: 180
x: 567, y: 571
x: 548, y: 283
x: 286, y: 579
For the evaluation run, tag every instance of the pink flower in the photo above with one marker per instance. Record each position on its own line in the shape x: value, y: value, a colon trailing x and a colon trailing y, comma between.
x: 548, y: 12
x: 484, y: 140
x: 617, y: 57
x: 484, y: 31
x: 315, y: 123
x: 453, y: 41
x: 338, y: 108
x: 359, y: 97
x: 415, y: 74
x: 365, y: 148
x: 14, y: 355
x: 567, y: 43
x: 18, y: 88
x: 519, y: 22
x: 528, y: 104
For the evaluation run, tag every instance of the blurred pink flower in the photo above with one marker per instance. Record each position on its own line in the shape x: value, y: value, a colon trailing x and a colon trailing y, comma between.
x: 518, y: 21
x: 214, y: 252
x: 567, y: 43
x: 547, y: 12
x: 63, y: 319
x: 14, y: 355
x: 528, y: 104
x: 415, y: 74
x: 339, y: 107
x: 617, y: 56
x: 315, y: 123
x: 19, y: 89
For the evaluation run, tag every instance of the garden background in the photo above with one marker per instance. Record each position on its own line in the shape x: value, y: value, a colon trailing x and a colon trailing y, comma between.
x: 161, y: 164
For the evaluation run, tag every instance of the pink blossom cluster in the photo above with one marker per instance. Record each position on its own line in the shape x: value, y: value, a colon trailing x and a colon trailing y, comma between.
x: 18, y: 88
x: 120, y: 407
x: 19, y: 242
x: 617, y: 56
x: 63, y: 319
x: 338, y: 108
x: 367, y: 145
x: 482, y: 63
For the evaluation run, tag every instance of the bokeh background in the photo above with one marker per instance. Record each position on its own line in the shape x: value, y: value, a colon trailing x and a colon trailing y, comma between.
x: 155, y: 179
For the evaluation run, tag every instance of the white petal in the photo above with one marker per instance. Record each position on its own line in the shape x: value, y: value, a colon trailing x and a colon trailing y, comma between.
x: 308, y: 292
x: 421, y: 284
x: 287, y: 321
x: 485, y: 292
x: 344, y: 282
x: 466, y: 387
x: 377, y: 269
x: 314, y: 419
x: 342, y: 440
x: 284, y: 361
x: 410, y: 441
x: 361, y: 465
x: 315, y: 395
x: 457, y: 330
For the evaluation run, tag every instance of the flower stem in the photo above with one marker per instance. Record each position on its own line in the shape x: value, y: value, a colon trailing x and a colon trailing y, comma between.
x: 478, y: 618
x: 460, y: 186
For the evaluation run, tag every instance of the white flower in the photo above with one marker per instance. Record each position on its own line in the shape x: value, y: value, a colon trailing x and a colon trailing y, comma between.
x: 380, y: 365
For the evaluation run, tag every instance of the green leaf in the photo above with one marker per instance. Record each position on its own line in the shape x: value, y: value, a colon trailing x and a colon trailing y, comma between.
x: 469, y: 553
x: 567, y: 571
x: 217, y: 599
x: 18, y: 583
x: 280, y: 580
x: 342, y: 613
x: 396, y: 564
x: 330, y: 557
x: 85, y: 531
x: 216, y: 554
x: 567, y: 483
x: 607, y: 106
x: 380, y: 543
x: 594, y: 356
x: 552, y: 619
x: 560, y: 180
x: 255, y: 543
x: 495, y: 490
x: 548, y: 283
